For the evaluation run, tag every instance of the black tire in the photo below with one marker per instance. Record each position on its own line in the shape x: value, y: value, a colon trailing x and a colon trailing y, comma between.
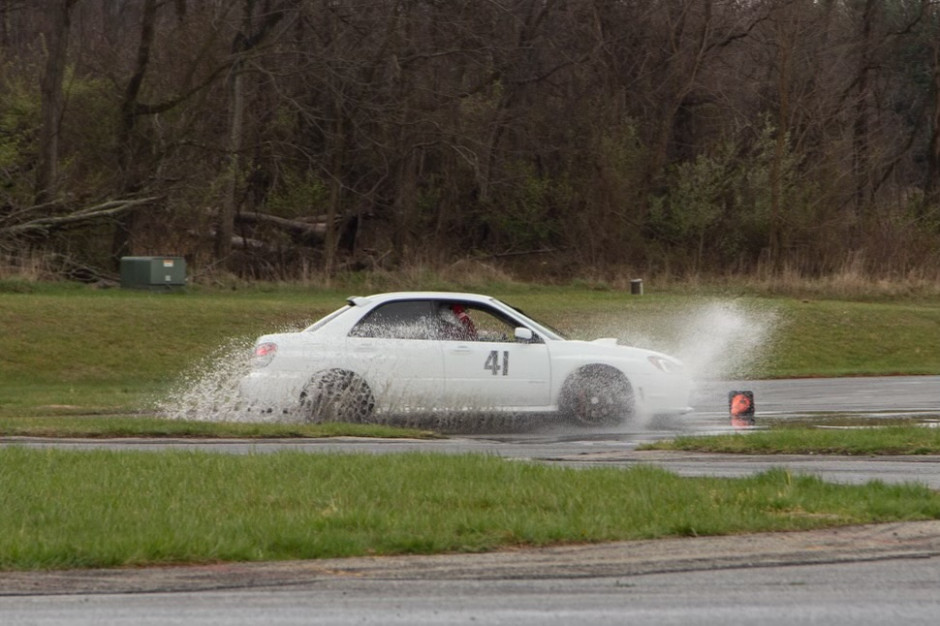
x: 597, y: 395
x: 337, y: 396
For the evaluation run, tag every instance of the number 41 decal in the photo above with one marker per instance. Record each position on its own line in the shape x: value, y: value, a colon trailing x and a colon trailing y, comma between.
x: 492, y: 362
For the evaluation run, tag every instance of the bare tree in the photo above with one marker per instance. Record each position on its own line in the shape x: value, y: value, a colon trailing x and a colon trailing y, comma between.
x: 57, y: 43
x: 252, y: 33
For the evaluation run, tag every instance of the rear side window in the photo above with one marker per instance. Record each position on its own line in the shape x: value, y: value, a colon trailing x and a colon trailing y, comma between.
x: 407, y: 319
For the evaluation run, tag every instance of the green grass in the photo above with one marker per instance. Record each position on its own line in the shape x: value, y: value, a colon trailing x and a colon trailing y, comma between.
x: 839, y: 338
x: 785, y: 439
x: 119, y: 426
x: 90, y: 351
x: 67, y: 509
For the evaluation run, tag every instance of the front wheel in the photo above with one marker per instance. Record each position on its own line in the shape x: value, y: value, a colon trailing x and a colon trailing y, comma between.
x: 597, y: 396
x: 336, y: 396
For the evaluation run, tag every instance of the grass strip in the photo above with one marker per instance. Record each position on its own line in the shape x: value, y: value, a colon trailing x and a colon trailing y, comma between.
x: 71, y: 509
x: 886, y: 440
x: 112, y: 426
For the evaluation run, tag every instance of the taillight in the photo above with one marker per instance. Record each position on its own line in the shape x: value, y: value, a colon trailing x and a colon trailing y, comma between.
x: 263, y: 354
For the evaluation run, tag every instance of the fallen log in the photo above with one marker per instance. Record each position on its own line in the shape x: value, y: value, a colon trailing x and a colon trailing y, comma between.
x: 46, y: 224
x: 295, y: 227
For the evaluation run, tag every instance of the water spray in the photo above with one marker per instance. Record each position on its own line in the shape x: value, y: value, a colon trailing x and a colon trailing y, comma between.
x: 209, y: 390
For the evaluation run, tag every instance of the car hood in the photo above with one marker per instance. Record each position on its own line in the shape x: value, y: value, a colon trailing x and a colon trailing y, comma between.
x: 612, y: 347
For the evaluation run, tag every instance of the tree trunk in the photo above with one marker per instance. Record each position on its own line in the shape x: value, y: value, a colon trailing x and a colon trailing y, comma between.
x: 861, y: 154
x: 121, y: 244
x: 932, y: 183
x: 245, y: 41
x: 57, y: 43
x: 225, y: 222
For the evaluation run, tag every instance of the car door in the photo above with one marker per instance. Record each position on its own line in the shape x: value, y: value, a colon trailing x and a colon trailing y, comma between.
x: 493, y: 369
x: 396, y: 350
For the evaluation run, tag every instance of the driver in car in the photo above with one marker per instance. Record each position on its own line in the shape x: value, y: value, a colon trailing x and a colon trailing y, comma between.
x: 457, y: 324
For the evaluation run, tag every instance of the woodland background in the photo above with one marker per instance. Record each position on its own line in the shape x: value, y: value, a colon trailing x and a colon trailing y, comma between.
x: 283, y: 139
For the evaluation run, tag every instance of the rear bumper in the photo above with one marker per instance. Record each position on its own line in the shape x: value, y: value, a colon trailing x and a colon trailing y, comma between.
x: 266, y: 393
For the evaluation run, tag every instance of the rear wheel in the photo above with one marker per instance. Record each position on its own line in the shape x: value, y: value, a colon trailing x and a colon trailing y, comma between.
x: 597, y: 395
x: 337, y: 396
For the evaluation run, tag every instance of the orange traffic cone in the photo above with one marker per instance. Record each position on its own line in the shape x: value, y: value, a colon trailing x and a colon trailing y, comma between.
x: 741, y: 408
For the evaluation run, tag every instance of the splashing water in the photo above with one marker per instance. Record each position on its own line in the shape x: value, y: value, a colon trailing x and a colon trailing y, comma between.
x: 724, y: 339
x: 209, y: 391
x: 715, y: 340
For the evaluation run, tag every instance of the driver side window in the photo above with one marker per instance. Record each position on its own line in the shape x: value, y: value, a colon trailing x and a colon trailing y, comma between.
x: 489, y: 325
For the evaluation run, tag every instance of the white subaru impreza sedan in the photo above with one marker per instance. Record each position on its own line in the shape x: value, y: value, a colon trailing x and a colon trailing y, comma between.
x: 454, y: 352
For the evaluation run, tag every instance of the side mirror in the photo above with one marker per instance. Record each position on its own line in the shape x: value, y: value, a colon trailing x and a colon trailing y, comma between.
x: 523, y: 334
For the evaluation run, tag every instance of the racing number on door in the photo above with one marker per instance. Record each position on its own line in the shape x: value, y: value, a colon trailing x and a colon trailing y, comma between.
x: 493, y: 365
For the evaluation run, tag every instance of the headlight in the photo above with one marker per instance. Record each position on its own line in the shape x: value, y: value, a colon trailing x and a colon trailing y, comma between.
x: 665, y: 365
x: 263, y: 354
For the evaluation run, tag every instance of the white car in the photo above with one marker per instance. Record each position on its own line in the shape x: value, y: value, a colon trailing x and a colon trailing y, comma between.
x: 454, y: 352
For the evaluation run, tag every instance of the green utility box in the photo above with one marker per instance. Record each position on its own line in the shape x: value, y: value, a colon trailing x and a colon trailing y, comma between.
x: 153, y: 272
